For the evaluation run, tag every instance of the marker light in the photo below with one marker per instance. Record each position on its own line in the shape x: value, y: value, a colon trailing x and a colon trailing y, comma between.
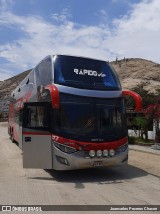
x: 105, y: 153
x: 99, y: 153
x: 92, y: 153
x: 111, y: 152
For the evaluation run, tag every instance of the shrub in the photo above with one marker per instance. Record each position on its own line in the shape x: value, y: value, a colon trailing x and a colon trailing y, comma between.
x: 131, y: 140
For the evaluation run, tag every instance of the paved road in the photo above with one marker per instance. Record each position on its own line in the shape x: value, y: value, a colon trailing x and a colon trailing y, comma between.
x: 136, y: 184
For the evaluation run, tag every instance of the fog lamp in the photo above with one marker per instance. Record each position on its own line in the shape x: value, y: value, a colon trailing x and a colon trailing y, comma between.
x: 112, y: 152
x: 99, y: 153
x: 105, y: 153
x: 92, y: 153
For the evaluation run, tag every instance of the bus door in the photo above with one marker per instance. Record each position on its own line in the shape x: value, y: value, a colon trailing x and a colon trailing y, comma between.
x: 36, y: 136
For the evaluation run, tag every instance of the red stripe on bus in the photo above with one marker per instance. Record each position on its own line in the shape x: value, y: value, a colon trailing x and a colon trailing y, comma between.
x: 90, y: 145
x: 107, y: 145
x: 84, y: 145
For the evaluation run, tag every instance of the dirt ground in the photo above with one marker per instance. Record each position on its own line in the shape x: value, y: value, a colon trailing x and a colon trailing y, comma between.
x: 145, y: 161
x: 138, y: 183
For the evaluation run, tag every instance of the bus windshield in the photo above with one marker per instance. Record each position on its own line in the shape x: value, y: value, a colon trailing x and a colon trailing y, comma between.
x: 85, y: 73
x: 91, y: 120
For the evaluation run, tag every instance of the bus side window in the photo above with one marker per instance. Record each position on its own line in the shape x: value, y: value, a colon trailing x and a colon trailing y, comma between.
x: 36, y: 116
x: 44, y: 73
x: 26, y: 117
x: 37, y: 73
x: 47, y: 73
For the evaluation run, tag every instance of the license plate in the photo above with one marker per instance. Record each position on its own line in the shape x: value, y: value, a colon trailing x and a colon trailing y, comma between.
x: 97, y: 163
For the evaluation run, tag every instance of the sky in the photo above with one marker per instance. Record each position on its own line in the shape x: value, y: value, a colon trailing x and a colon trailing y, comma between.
x: 103, y: 29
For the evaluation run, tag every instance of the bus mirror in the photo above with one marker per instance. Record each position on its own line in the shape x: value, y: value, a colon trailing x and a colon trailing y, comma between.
x: 137, y: 98
x: 54, y: 93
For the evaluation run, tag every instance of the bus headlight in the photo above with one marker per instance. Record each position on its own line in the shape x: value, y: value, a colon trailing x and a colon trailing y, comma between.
x: 64, y: 148
x: 105, y: 153
x: 92, y: 153
x: 99, y: 153
x: 111, y: 152
x: 122, y: 148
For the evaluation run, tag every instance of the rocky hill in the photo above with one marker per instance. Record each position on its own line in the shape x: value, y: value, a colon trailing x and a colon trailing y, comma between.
x: 8, y: 85
x: 141, y: 73
x: 133, y: 72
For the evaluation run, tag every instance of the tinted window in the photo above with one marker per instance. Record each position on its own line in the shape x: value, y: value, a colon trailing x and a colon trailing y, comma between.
x: 76, y: 118
x: 44, y: 73
x: 85, y: 73
x: 86, y: 119
x: 37, y: 116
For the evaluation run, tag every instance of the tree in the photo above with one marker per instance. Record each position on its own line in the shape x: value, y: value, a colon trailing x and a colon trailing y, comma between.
x: 142, y: 124
x: 152, y: 112
x: 148, y: 99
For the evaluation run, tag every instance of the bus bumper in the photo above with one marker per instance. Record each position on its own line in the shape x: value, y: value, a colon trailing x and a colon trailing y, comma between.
x: 63, y: 161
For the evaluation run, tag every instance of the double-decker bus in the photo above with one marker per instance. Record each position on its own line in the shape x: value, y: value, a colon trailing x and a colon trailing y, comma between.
x: 69, y: 113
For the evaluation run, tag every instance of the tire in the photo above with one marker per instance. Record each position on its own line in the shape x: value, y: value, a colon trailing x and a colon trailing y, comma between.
x: 12, y: 137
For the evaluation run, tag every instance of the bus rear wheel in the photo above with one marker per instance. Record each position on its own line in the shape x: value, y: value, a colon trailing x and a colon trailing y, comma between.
x: 12, y: 136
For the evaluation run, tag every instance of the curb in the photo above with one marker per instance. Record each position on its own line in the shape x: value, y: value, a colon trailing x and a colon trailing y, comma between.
x: 144, y: 149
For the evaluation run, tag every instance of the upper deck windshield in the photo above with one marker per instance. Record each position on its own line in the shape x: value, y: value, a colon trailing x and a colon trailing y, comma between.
x: 85, y: 73
x: 90, y: 119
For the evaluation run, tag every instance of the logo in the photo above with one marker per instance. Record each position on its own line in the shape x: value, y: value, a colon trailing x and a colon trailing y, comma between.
x: 88, y: 72
x: 55, y: 138
x: 97, y: 139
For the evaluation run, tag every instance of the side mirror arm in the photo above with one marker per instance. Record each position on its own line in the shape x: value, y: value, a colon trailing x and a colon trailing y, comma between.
x: 137, y: 98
